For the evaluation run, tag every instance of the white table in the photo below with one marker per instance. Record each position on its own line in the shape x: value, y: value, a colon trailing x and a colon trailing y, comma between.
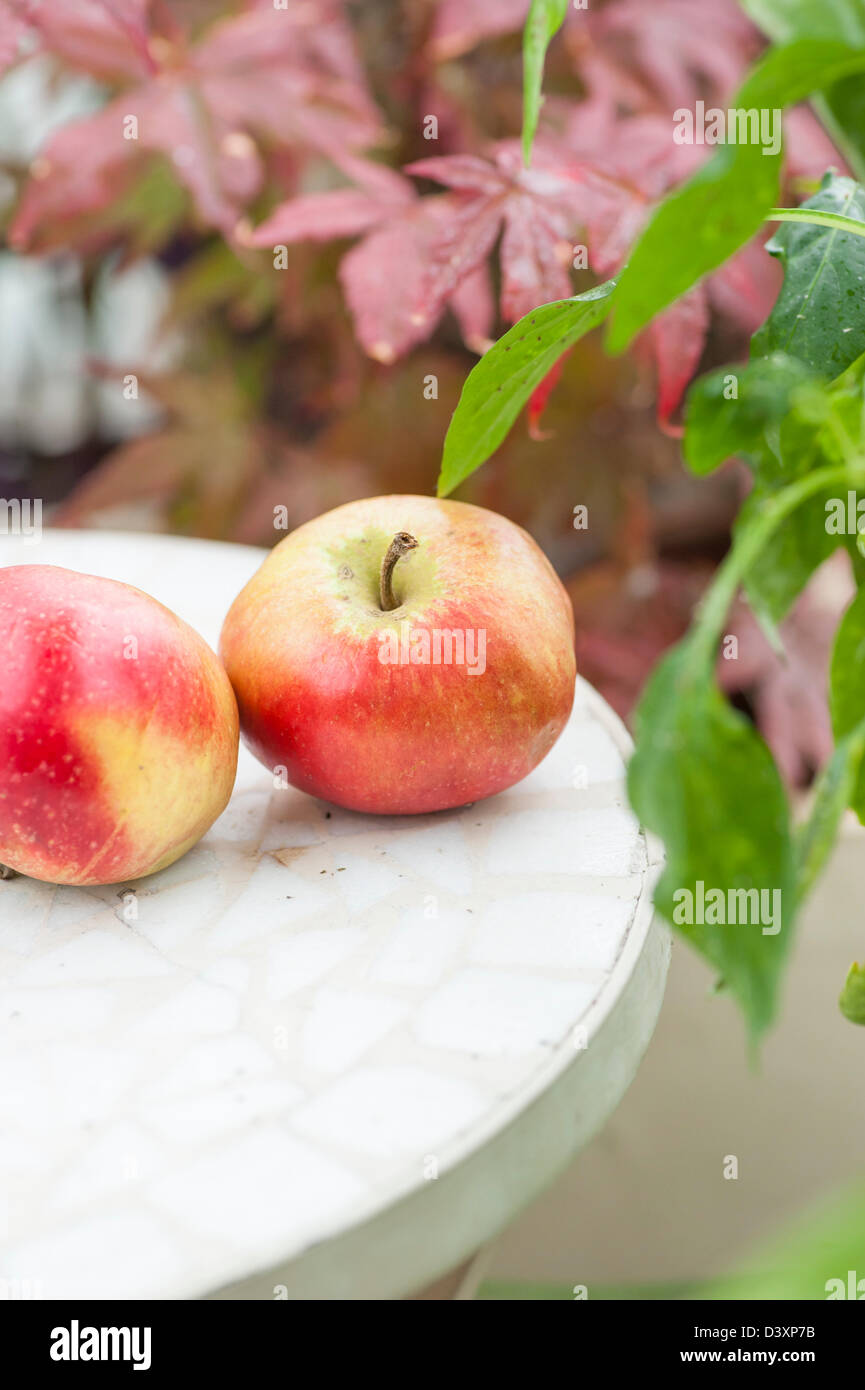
x: 325, y: 1052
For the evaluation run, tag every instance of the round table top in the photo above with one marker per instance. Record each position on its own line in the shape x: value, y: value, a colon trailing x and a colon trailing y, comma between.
x: 324, y: 1054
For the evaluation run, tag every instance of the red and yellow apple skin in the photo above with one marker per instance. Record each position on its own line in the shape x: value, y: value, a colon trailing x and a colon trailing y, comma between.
x: 118, y: 729
x: 303, y: 646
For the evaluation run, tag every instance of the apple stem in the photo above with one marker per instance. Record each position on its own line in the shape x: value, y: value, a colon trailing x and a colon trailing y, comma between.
x: 401, y: 543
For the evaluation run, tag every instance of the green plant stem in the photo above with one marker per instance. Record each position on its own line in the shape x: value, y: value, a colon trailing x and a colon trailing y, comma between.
x: 818, y: 219
x: 715, y: 606
x: 840, y: 139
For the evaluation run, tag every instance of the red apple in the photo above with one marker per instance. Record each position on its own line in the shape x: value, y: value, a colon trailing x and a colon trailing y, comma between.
x: 118, y: 729
x: 449, y: 688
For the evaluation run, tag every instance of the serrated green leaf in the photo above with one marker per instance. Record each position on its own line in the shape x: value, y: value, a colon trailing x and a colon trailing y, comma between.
x: 703, y: 223
x: 545, y: 18
x: 818, y: 315
x: 498, y: 387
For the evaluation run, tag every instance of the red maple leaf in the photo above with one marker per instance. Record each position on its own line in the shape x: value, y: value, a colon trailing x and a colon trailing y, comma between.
x: 382, y: 275
x: 787, y: 692
x: 459, y: 25
x: 632, y: 53
x: 281, y: 76
x: 674, y: 50
x: 441, y: 243
x: 420, y: 254
x: 542, y: 211
x: 644, y: 60
x: 108, y: 38
x: 378, y: 194
x: 640, y: 162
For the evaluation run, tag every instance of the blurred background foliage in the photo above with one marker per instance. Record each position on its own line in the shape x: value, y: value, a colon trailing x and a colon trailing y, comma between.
x: 165, y: 365
x: 818, y: 1255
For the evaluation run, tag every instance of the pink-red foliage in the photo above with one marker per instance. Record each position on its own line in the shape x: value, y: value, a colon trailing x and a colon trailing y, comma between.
x: 266, y: 97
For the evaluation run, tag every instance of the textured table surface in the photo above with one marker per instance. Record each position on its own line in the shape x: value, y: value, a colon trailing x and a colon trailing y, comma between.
x: 324, y: 1053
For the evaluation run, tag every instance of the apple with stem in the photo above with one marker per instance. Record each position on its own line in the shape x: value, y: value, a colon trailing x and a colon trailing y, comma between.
x: 402, y: 654
x: 118, y: 729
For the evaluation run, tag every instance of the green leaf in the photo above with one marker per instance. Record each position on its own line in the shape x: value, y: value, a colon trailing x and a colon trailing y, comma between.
x: 767, y: 424
x: 789, y: 560
x: 809, y: 1260
x: 818, y: 314
x: 843, y: 111
x: 852, y: 1000
x: 847, y: 670
x: 820, y: 429
x: 785, y: 428
x: 825, y: 424
x: 706, y: 220
x: 795, y: 550
x: 704, y: 780
x: 842, y: 107
x: 720, y: 424
x: 498, y: 387
x: 847, y: 686
x: 832, y: 795
x: 545, y: 18
x: 784, y: 20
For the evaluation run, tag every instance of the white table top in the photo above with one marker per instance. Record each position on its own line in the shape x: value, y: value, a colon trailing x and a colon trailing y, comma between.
x: 323, y: 1051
